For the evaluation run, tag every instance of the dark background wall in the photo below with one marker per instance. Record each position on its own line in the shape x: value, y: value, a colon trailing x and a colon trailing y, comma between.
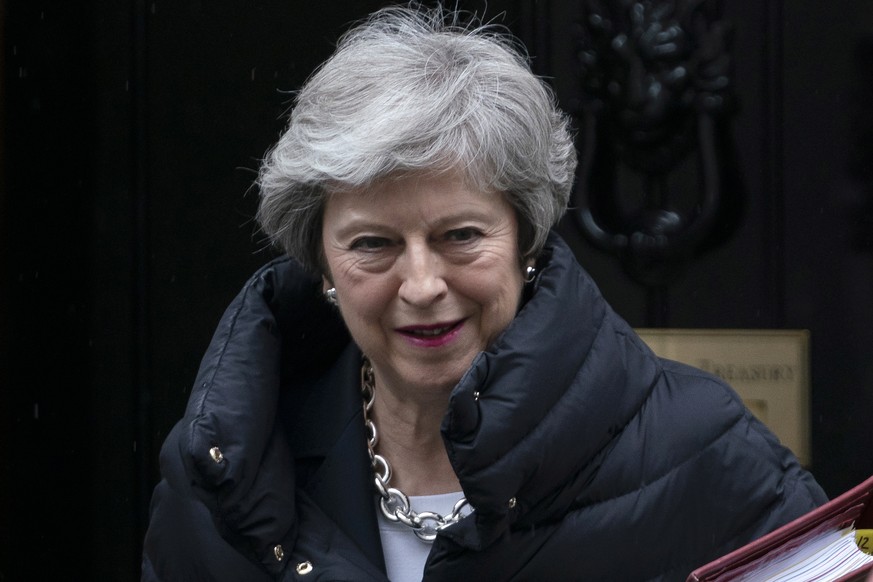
x: 131, y: 132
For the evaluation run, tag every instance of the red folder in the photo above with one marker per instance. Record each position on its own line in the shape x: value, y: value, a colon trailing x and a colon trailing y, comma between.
x: 851, y: 509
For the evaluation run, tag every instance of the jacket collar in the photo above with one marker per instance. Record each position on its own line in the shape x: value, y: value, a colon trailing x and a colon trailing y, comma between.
x: 235, y: 446
x: 529, y: 420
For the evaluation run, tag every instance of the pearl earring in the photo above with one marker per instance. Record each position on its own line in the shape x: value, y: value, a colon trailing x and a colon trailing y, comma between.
x: 529, y: 274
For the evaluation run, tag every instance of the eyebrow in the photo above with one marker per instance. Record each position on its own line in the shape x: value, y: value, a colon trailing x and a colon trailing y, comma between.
x: 375, y: 223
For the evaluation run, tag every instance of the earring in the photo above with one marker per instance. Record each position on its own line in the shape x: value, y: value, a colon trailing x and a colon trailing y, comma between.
x: 330, y: 296
x: 529, y: 274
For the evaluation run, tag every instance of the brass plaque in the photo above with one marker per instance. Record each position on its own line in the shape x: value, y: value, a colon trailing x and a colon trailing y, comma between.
x: 768, y: 368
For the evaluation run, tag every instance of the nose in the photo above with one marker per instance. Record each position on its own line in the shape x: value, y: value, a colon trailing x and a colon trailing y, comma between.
x: 422, y: 277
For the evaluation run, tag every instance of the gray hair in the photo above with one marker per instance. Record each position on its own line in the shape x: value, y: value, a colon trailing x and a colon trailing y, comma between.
x: 412, y: 90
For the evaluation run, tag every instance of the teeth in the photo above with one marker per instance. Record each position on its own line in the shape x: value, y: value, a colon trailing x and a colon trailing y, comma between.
x: 432, y: 332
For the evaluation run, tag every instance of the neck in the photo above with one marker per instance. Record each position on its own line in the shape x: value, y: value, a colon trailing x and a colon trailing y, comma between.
x: 409, y: 438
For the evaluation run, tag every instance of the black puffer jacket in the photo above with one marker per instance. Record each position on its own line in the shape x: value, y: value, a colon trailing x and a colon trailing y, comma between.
x: 585, y: 456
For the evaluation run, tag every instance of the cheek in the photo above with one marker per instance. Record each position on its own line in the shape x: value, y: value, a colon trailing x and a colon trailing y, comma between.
x: 362, y: 300
x: 510, y: 300
x: 498, y: 291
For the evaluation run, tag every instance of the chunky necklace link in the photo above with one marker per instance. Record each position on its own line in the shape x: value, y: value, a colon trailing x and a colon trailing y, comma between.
x: 393, y: 502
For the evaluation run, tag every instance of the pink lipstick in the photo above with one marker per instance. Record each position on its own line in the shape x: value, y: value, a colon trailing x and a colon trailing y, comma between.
x: 431, y: 336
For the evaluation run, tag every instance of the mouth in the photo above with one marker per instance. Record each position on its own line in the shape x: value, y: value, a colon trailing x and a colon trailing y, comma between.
x: 430, y: 335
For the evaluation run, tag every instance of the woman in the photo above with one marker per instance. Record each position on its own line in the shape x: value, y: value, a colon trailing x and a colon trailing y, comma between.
x: 432, y: 387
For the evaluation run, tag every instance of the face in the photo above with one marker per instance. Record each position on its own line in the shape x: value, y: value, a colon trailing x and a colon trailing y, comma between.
x: 427, y: 274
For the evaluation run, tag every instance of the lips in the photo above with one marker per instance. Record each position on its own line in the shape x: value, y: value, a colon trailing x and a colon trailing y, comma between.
x: 429, y: 332
x: 431, y: 335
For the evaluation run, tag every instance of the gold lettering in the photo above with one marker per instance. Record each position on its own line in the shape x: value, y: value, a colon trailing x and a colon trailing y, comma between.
x: 748, y: 373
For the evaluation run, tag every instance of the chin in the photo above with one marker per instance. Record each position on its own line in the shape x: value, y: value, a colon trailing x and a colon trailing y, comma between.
x: 439, y: 378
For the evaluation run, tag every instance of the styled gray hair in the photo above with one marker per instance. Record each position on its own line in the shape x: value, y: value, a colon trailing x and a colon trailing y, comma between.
x: 414, y: 90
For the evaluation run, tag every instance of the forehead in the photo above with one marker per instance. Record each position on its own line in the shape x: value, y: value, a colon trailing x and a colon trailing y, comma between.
x: 421, y: 192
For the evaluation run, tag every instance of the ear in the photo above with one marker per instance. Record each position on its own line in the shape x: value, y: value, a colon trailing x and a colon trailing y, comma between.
x: 325, y: 283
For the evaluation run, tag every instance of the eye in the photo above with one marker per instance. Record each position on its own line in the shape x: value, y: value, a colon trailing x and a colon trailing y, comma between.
x: 466, y: 234
x: 370, y: 243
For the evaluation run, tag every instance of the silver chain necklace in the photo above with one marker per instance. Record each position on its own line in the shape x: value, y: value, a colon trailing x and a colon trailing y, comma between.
x: 393, y: 502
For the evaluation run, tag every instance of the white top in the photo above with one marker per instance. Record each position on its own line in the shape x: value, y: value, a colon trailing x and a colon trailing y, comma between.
x: 405, y: 554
